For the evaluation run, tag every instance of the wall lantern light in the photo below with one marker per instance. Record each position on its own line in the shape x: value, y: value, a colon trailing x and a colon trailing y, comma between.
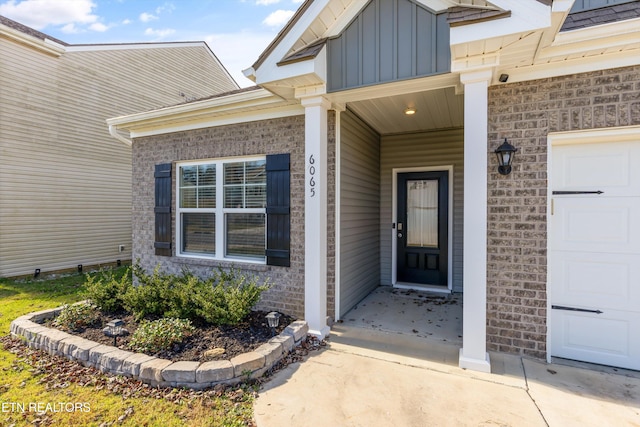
x: 505, y: 153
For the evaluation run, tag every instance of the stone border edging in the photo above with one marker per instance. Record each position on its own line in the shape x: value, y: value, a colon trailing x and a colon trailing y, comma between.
x: 152, y: 370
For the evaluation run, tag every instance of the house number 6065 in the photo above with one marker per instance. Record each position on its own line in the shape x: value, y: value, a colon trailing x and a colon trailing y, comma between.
x: 312, y: 172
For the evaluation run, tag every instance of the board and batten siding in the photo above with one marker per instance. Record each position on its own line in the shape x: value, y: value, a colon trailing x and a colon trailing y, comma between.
x: 359, y: 211
x: 437, y: 148
x: 65, y: 183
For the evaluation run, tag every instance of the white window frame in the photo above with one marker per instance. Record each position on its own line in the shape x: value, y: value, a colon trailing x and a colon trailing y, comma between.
x: 220, y: 212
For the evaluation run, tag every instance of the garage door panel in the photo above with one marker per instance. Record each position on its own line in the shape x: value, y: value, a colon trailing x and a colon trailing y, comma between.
x: 615, y: 170
x: 594, y: 252
x: 598, y: 224
x: 573, y: 338
x: 596, y: 281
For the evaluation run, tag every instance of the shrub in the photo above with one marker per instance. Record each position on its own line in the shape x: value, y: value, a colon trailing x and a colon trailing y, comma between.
x: 162, y: 334
x: 150, y: 297
x: 223, y: 299
x: 107, y: 292
x: 77, y: 316
x: 231, y: 298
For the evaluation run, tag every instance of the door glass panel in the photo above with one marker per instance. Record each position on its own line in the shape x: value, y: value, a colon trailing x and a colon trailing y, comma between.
x: 422, y: 213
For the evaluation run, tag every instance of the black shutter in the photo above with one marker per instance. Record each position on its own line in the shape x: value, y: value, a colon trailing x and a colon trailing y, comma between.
x: 278, y: 210
x: 163, y: 209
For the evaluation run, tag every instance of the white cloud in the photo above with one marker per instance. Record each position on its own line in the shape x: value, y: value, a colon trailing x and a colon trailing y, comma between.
x: 39, y: 14
x: 278, y: 18
x: 126, y: 22
x: 266, y: 2
x: 296, y: 1
x: 146, y: 17
x: 167, y: 7
x: 159, y: 33
x: 70, y: 29
x: 99, y: 27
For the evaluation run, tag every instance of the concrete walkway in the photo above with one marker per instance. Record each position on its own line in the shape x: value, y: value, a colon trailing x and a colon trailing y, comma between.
x: 358, y: 381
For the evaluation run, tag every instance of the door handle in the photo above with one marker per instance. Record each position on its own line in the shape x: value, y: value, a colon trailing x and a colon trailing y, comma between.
x: 399, y: 235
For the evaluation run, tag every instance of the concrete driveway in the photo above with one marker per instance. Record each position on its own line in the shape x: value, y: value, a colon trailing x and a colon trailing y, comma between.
x: 350, y: 384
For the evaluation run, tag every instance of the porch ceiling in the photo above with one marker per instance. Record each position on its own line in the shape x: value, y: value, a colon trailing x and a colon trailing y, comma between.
x: 435, y: 109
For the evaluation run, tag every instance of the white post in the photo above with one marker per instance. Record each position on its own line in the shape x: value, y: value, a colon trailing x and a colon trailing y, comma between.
x: 473, y: 354
x: 315, y: 215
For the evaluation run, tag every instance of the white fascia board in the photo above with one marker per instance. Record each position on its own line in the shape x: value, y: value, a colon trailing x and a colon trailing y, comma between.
x: 316, y: 67
x: 607, y: 35
x: 526, y: 16
x: 171, y: 126
x: 574, y: 66
x: 438, y: 5
x: 46, y: 45
x: 208, y: 108
x: 401, y: 87
x: 269, y: 71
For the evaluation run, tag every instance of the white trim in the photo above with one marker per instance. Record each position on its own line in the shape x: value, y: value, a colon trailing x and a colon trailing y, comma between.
x: 338, y: 191
x: 229, y: 119
x: 473, y: 354
x: 592, y: 136
x: 394, y: 219
x: 47, y: 46
x: 616, y: 30
x: 219, y: 211
x: 625, y: 58
x: 315, y: 214
x: 526, y: 16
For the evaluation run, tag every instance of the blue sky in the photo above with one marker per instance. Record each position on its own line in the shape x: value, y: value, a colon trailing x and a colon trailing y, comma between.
x: 236, y: 30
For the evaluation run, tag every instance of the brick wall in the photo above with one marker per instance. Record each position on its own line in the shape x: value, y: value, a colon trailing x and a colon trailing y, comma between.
x: 525, y: 113
x: 285, y: 135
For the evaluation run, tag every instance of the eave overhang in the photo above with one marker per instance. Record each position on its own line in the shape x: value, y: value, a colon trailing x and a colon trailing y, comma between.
x: 238, y: 107
x: 45, y: 45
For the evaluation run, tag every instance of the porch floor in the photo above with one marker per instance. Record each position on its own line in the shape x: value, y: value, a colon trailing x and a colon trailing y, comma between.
x: 404, y: 326
x: 423, y: 315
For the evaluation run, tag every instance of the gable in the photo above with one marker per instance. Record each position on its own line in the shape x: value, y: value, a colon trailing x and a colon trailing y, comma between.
x: 388, y: 40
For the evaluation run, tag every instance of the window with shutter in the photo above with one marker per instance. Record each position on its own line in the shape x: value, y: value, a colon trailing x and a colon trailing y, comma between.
x: 235, y: 208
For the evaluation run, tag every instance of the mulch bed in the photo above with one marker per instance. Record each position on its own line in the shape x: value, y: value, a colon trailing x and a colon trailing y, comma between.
x: 252, y: 332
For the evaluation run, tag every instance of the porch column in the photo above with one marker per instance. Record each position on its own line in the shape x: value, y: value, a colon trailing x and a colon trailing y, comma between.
x: 473, y: 354
x: 315, y: 215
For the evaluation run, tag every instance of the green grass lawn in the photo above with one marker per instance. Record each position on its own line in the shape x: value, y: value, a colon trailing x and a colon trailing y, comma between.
x: 24, y: 384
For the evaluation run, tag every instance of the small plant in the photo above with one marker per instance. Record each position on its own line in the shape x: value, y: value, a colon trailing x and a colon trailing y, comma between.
x: 162, y: 334
x: 108, y: 290
x: 77, y: 317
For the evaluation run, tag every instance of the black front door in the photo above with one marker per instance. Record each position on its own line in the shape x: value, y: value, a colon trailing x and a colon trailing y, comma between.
x: 422, y: 227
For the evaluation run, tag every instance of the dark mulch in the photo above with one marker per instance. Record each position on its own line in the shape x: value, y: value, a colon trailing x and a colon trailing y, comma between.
x: 252, y: 332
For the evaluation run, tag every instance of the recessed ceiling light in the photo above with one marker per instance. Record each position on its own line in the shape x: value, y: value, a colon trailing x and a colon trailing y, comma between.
x: 410, y: 111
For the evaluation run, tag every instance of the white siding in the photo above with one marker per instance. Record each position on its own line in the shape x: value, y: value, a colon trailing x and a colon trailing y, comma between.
x: 65, y: 183
x: 359, y: 210
x: 428, y: 149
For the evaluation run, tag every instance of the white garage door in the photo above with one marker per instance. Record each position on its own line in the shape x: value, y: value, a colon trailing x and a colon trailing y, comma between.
x: 594, y: 253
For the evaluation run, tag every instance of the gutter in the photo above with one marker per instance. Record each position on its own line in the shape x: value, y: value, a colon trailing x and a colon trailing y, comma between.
x: 113, y: 131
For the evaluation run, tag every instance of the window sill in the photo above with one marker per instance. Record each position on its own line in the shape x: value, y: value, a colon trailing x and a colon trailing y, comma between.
x: 237, y: 264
